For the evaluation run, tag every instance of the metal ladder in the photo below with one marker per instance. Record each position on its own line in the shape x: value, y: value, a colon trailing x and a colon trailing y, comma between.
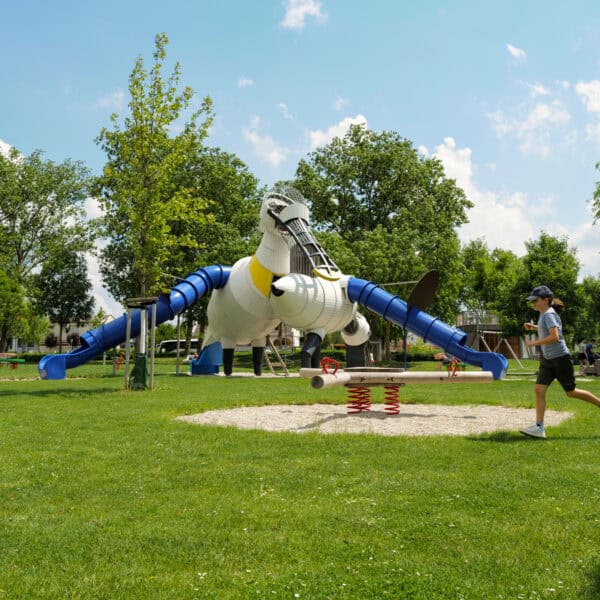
x: 279, y: 360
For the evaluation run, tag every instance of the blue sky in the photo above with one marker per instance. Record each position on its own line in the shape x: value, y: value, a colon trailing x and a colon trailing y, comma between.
x: 506, y: 94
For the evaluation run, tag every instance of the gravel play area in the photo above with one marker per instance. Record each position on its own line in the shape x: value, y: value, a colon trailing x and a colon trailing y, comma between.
x: 413, y: 420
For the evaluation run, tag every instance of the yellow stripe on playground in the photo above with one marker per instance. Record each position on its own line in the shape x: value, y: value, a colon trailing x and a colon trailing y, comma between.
x: 261, y: 277
x: 326, y: 276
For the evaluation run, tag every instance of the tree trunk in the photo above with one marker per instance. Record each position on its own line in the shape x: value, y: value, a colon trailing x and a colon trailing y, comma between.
x: 4, y: 338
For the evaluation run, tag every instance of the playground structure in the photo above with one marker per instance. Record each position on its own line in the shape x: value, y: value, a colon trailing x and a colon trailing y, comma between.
x: 290, y: 279
x: 10, y: 359
x: 360, y: 380
x: 480, y: 339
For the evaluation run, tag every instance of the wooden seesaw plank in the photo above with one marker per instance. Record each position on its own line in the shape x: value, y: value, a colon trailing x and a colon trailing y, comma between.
x: 326, y: 380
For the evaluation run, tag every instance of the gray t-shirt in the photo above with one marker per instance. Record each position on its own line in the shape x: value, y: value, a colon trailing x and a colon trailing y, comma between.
x: 547, y: 321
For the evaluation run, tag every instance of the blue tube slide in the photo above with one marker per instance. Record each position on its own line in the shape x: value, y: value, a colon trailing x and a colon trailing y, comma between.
x: 97, y: 341
x: 431, y: 329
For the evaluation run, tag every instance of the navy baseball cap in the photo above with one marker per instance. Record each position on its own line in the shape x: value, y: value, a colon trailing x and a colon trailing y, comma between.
x: 541, y: 291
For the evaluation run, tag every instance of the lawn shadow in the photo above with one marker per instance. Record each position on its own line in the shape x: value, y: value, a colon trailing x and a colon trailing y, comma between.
x: 510, y: 437
x: 500, y: 437
x: 65, y: 392
x: 378, y: 415
x: 591, y: 590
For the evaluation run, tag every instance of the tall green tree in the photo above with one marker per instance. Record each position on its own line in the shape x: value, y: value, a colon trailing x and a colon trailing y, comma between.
x: 34, y: 327
x: 596, y: 198
x: 587, y: 320
x: 41, y: 211
x: 508, y: 271
x: 233, y: 199
x: 64, y: 291
x: 230, y: 229
x: 489, y: 278
x: 147, y: 188
x: 368, y: 180
x: 100, y: 318
x: 478, y: 291
x: 12, y: 306
x: 548, y: 261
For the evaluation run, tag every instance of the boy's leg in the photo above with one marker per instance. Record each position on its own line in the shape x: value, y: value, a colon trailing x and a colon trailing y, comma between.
x: 584, y: 395
x: 540, y: 402
x: 545, y: 377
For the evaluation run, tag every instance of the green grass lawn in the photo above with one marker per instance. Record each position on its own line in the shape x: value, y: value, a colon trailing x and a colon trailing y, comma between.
x: 104, y: 495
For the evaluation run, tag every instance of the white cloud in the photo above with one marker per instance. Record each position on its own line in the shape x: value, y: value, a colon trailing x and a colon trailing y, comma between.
x: 265, y: 147
x: 515, y: 52
x: 589, y: 92
x: 592, y: 132
x: 114, y: 101
x: 101, y: 296
x: 4, y: 148
x: 244, y: 82
x: 5, y: 151
x: 504, y: 221
x: 283, y: 109
x: 532, y: 125
x: 501, y: 219
x: 537, y: 89
x: 339, y: 103
x: 296, y: 12
x: 319, y: 137
x: 585, y: 239
x: 92, y: 208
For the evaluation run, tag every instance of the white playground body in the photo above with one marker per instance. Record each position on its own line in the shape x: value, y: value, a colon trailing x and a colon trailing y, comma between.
x: 262, y: 291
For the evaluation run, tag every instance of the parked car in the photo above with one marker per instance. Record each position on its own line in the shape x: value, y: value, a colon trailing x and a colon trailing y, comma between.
x: 170, y: 347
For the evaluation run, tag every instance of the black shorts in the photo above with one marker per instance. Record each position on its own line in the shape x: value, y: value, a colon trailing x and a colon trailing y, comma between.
x: 560, y: 368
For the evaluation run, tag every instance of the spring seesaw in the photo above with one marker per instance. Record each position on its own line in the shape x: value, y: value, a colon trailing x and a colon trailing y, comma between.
x: 359, y: 380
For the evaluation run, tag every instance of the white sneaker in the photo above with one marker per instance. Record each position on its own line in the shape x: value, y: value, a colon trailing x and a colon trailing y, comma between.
x: 535, y: 431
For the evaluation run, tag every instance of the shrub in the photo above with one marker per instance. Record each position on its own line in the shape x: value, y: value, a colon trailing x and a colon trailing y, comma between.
x: 73, y: 339
x: 51, y: 341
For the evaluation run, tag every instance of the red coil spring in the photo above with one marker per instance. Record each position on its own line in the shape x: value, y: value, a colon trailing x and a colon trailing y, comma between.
x: 391, y: 394
x: 453, y: 367
x: 359, y: 399
x: 326, y: 361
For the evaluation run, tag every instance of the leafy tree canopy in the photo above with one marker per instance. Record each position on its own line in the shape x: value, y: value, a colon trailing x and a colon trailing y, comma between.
x: 12, y: 305
x: 147, y: 188
x: 395, y: 210
x: 230, y: 229
x: 41, y: 210
x: 100, y: 318
x: 548, y: 261
x: 368, y: 179
x: 596, y: 198
x: 64, y: 290
x: 587, y: 319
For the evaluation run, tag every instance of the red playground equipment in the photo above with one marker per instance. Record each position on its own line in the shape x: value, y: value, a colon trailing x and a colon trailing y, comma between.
x: 9, y: 359
x: 360, y: 380
x: 359, y: 396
